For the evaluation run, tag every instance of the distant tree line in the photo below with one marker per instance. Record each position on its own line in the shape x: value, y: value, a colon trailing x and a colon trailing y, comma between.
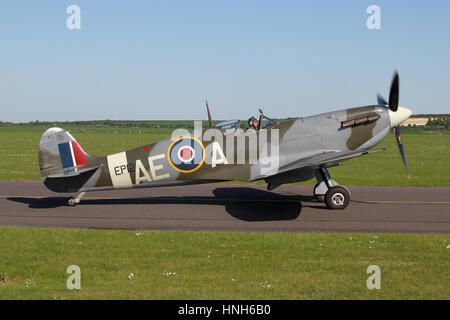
x: 438, y: 123
x: 435, y: 122
x: 188, y: 124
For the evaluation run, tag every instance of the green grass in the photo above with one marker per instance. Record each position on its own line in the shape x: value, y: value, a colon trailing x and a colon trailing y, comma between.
x: 427, y: 154
x: 19, y: 149
x: 220, y: 265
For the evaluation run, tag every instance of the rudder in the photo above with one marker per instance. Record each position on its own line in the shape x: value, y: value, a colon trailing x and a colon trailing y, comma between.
x: 60, y: 153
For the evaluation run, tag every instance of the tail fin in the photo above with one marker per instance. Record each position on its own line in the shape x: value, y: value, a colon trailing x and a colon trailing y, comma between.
x: 60, y: 154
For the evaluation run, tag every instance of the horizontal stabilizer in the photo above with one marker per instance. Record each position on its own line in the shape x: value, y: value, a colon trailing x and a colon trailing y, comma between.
x: 73, y: 173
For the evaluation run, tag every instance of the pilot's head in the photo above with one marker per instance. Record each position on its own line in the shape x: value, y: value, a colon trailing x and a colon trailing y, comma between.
x: 253, y: 123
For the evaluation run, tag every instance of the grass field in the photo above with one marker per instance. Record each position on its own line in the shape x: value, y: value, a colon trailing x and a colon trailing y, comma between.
x: 428, y: 155
x: 189, y: 265
x: 196, y: 265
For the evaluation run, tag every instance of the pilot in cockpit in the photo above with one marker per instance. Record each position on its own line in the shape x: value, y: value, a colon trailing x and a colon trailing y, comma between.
x: 252, y: 123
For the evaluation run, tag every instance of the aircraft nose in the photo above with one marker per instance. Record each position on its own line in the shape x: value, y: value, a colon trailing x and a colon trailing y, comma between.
x: 399, y: 116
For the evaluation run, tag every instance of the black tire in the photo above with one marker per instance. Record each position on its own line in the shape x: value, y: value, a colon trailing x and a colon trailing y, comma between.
x: 337, y: 198
x: 319, y: 197
x: 71, y: 202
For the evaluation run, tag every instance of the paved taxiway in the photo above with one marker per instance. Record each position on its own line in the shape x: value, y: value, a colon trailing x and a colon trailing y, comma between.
x: 225, y: 207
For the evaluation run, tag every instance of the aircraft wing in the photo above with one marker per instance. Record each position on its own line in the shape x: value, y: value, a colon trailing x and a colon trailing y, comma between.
x: 328, y: 159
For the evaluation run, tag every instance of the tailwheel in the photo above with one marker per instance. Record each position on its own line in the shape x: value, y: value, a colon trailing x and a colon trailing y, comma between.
x: 71, y: 202
x: 337, y: 198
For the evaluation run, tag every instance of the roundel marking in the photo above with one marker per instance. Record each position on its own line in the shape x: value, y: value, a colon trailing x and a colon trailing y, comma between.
x: 186, y: 154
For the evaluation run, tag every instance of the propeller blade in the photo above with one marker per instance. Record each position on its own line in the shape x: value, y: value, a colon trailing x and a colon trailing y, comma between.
x: 394, y: 94
x: 381, y: 100
x: 398, y: 138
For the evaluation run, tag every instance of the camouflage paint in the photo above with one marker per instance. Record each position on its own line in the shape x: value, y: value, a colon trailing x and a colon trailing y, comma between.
x: 362, y: 133
x: 303, y: 142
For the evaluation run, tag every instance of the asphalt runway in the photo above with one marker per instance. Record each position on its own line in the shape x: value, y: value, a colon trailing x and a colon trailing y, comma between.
x: 225, y: 207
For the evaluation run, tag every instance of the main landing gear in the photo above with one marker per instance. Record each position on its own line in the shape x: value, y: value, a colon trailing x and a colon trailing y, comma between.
x: 329, y: 191
x: 73, y: 201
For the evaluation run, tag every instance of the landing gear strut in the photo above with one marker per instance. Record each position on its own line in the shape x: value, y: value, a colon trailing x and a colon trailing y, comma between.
x: 74, y: 201
x: 329, y: 191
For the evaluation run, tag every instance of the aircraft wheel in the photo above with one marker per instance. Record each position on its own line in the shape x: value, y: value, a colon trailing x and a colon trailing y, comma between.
x: 337, y: 198
x: 71, y: 202
x: 319, y: 197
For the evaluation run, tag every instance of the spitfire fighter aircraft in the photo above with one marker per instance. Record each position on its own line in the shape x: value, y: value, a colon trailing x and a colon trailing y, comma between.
x: 300, y: 149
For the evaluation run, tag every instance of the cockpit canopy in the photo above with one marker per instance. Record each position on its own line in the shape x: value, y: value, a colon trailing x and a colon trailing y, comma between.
x: 229, y: 126
x: 267, y: 122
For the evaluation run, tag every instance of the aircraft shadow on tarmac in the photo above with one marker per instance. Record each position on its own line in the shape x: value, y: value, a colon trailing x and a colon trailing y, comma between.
x: 242, y: 203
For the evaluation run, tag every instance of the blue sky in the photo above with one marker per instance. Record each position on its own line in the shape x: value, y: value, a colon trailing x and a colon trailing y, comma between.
x: 162, y: 59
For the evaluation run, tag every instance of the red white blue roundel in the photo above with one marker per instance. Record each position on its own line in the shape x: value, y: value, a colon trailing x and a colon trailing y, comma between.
x: 186, y: 154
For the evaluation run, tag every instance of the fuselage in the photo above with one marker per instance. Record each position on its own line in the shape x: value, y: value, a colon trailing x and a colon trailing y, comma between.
x: 210, y: 156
